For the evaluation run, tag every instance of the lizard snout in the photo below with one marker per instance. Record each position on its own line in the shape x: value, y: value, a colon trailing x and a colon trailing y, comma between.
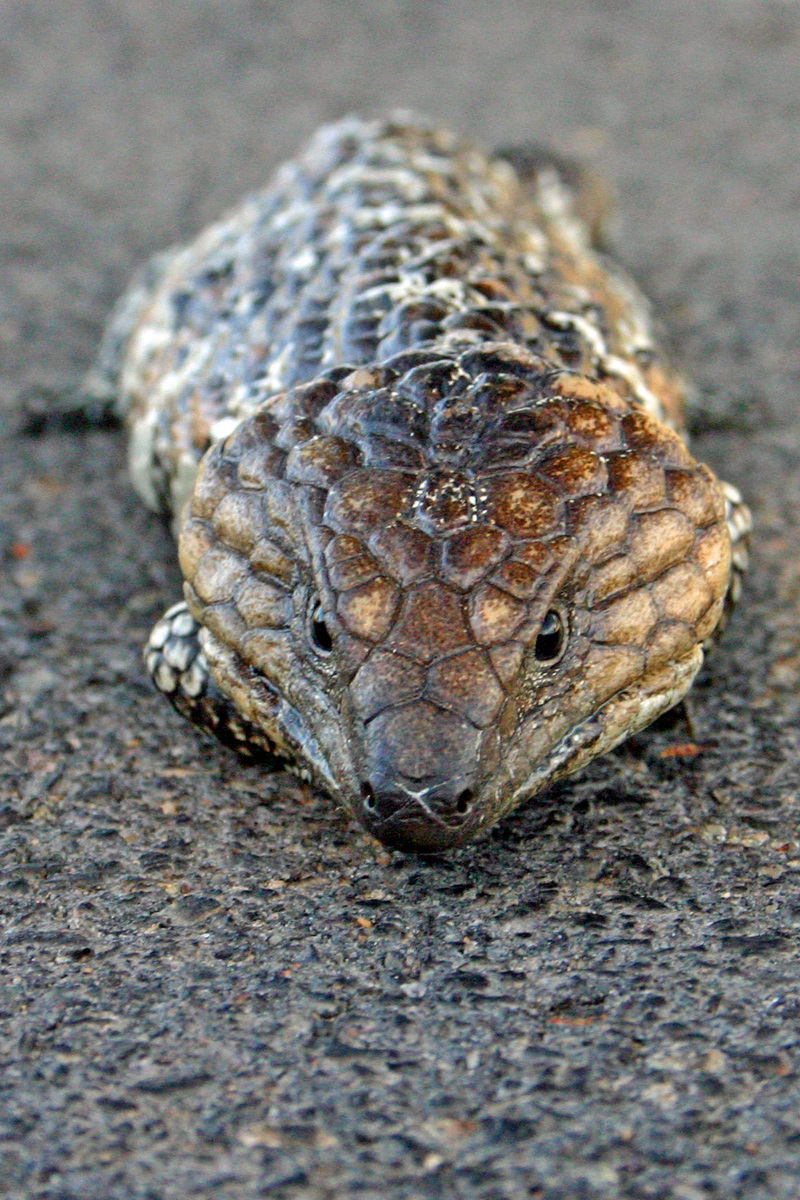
x: 418, y: 794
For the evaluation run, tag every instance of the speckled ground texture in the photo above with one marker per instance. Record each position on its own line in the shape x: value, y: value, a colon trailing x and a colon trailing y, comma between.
x: 212, y: 983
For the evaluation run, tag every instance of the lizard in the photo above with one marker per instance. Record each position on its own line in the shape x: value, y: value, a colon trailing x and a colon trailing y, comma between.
x: 442, y: 538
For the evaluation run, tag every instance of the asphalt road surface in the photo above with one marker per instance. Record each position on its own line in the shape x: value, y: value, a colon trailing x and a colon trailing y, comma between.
x: 215, y: 985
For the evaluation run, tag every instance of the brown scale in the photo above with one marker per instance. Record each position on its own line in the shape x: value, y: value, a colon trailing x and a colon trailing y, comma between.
x: 443, y: 580
x: 443, y: 548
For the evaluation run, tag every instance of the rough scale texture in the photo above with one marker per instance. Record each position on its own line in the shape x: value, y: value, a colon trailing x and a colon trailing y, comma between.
x: 445, y: 544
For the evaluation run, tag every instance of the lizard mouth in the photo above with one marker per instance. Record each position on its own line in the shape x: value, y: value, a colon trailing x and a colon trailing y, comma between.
x: 421, y: 820
x: 420, y: 777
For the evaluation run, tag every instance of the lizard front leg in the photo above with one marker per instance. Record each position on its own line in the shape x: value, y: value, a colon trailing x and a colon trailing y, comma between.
x: 740, y: 525
x: 178, y: 667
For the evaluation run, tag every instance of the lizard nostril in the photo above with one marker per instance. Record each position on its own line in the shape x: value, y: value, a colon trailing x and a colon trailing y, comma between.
x: 464, y: 801
x: 320, y: 634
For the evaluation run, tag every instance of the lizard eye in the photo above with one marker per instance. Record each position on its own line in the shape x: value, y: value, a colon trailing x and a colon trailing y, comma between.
x: 320, y: 634
x: 552, y: 639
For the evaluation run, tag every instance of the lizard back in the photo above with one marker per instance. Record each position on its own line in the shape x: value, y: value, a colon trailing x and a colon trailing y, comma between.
x: 381, y: 237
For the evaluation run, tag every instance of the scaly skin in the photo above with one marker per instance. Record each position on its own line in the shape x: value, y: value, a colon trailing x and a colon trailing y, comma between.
x: 446, y: 543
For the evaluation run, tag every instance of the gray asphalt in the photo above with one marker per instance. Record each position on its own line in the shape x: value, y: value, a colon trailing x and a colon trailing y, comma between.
x: 212, y: 984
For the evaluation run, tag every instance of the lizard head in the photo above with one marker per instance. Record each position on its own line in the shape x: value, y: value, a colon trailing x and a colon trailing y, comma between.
x: 443, y: 583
